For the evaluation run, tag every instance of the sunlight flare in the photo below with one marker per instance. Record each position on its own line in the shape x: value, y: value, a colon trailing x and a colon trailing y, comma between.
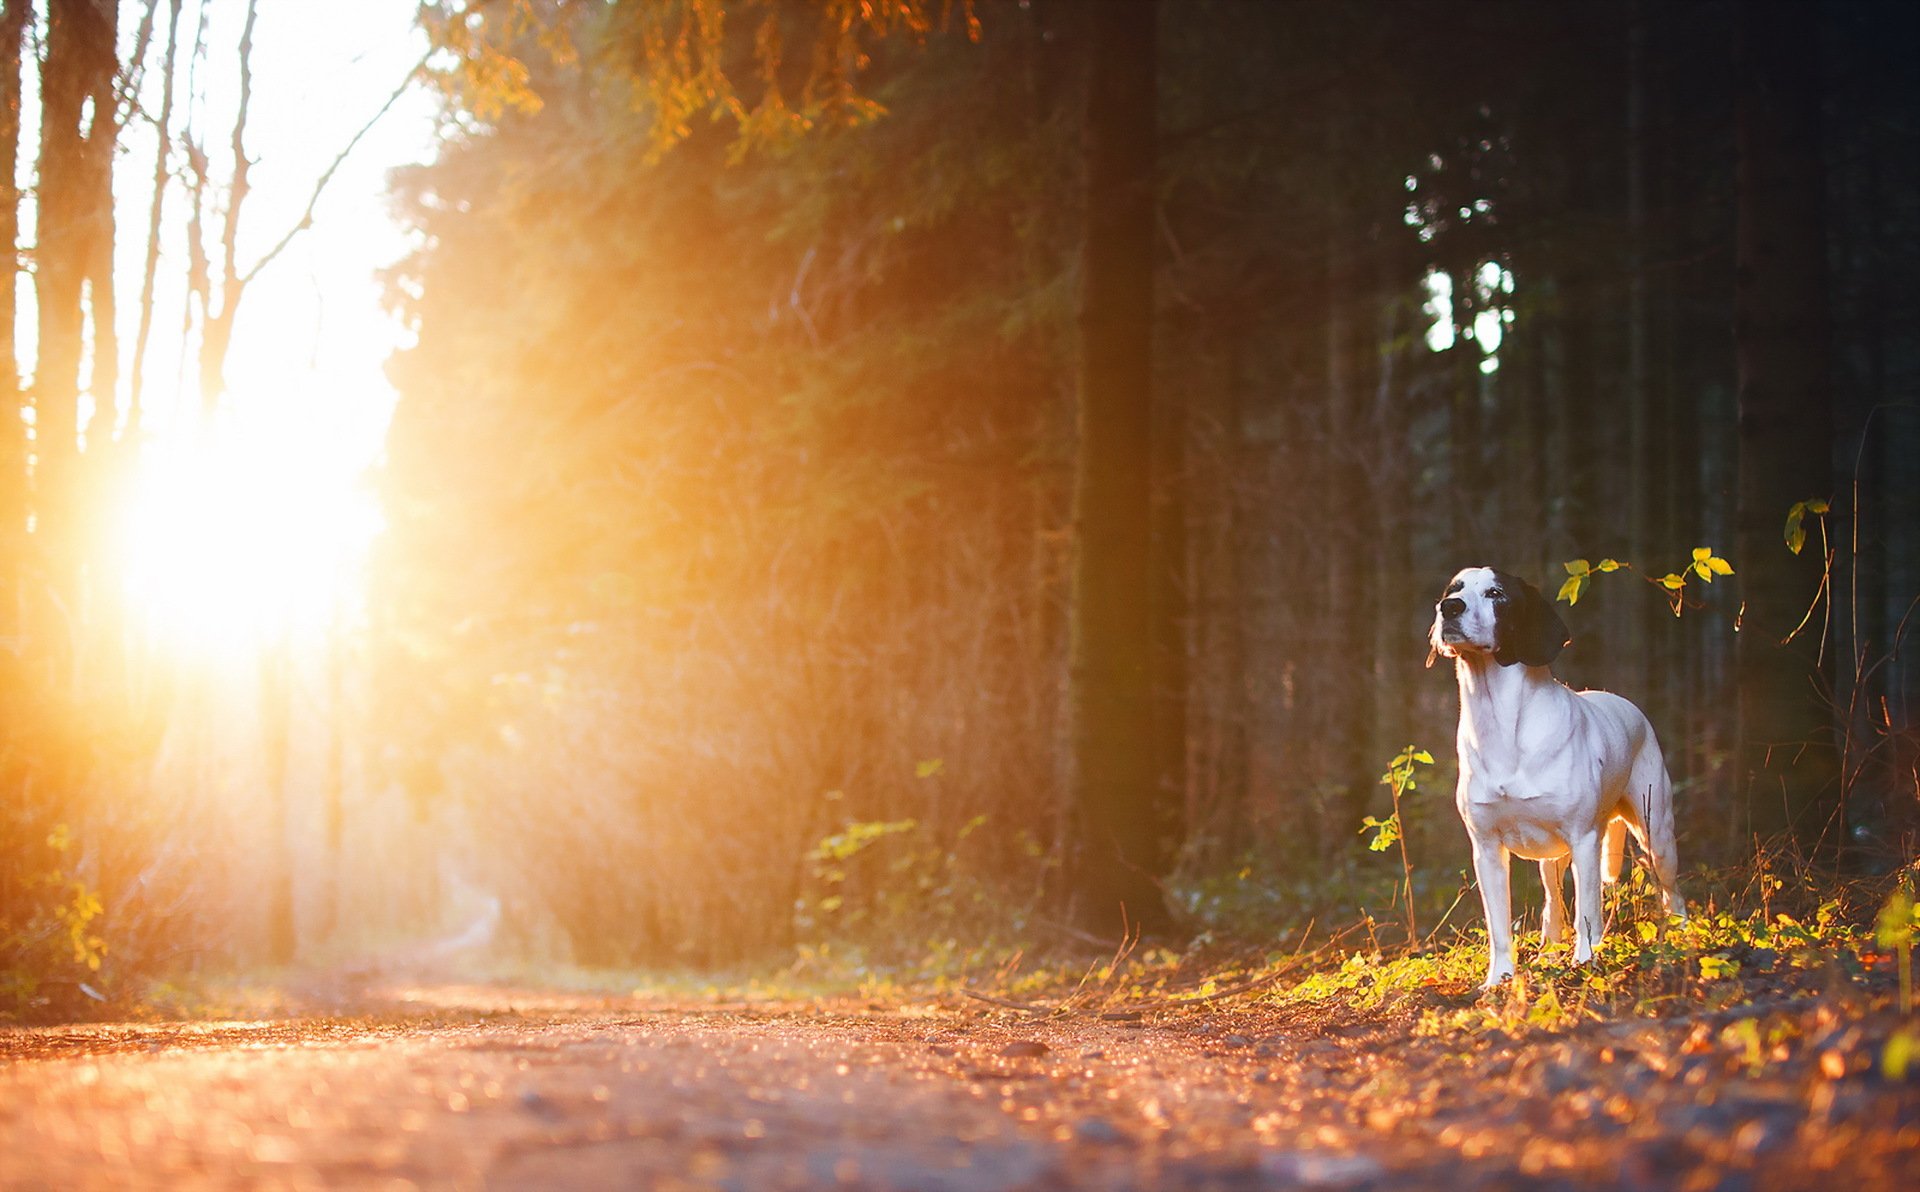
x: 243, y: 527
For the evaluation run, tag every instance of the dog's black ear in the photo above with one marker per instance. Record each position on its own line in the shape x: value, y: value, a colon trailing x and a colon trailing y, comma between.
x: 1527, y: 629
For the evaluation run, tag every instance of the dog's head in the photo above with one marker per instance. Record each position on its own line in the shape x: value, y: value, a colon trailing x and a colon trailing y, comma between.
x: 1484, y: 611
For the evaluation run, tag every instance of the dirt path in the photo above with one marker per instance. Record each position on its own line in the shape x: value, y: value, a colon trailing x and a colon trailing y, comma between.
x: 936, y: 1098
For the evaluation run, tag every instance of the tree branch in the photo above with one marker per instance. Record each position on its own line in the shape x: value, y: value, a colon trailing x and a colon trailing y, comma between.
x: 320, y: 186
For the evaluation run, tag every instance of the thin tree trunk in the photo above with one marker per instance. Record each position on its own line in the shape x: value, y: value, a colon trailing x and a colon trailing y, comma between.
x: 1120, y: 853
x: 216, y: 333
x: 1639, y: 462
x: 75, y: 200
x: 1786, y: 758
x: 1171, y: 613
x: 1345, y: 608
x: 13, y: 439
x: 155, y: 211
x: 276, y: 733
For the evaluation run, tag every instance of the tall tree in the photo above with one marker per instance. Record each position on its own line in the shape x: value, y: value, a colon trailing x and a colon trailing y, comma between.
x: 1115, y: 797
x: 13, y: 440
x: 1787, y: 765
x: 75, y: 215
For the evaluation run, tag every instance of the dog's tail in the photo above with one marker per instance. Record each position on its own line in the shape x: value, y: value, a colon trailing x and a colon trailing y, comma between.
x: 1613, y: 850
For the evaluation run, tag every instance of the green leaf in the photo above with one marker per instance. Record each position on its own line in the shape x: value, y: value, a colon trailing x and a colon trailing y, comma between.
x: 1386, y: 832
x: 1898, y: 1054
x: 1713, y: 968
x: 1706, y: 564
x: 1894, y: 925
x: 1577, y: 567
x: 1796, y: 532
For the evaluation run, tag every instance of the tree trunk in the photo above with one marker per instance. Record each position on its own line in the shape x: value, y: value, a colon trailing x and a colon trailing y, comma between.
x: 1121, y: 851
x: 1640, y: 466
x: 75, y: 209
x: 1786, y: 760
x: 163, y: 128
x: 1346, y: 607
x: 276, y: 740
x: 13, y: 439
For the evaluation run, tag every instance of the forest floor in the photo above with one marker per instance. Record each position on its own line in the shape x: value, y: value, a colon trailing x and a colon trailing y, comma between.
x: 1337, y: 1070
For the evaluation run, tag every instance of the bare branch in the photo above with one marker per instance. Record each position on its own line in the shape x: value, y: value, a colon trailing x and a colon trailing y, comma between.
x: 148, y: 279
x: 319, y: 187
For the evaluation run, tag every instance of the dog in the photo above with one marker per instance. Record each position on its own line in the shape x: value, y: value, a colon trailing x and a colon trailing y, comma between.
x: 1546, y: 773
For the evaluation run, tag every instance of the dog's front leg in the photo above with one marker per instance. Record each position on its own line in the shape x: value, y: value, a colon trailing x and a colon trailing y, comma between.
x: 1490, y: 868
x: 1586, y: 896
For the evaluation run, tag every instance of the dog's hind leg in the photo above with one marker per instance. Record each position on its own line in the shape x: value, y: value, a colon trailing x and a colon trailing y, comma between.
x: 1553, y: 919
x: 1650, y: 818
x: 1613, y: 850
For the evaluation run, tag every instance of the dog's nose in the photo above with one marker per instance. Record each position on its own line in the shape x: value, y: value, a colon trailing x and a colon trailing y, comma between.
x: 1452, y: 606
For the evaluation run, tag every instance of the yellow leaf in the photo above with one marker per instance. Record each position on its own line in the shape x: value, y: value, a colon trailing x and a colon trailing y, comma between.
x: 1701, y: 554
x: 1898, y: 1055
x: 1719, y: 566
x: 1673, y: 582
x: 1570, y: 591
x: 1609, y: 565
x: 1577, y: 567
x: 929, y: 768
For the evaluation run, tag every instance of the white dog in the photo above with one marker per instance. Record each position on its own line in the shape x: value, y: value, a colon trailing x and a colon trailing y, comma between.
x: 1546, y: 773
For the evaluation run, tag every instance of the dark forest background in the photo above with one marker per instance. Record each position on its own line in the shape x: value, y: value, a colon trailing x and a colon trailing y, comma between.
x: 737, y: 478
x: 924, y: 476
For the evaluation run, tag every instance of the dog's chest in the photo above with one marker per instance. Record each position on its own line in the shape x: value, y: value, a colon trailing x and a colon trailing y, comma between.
x: 1523, y: 816
x: 1524, y: 827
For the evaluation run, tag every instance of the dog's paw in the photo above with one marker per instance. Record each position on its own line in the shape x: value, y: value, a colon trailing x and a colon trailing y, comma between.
x: 1495, y: 980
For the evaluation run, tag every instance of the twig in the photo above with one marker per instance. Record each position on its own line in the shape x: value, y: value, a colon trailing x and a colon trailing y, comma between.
x: 1024, y: 1007
x: 319, y: 187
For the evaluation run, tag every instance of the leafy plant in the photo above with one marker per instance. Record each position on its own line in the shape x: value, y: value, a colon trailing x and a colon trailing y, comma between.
x: 1796, y: 531
x: 1704, y: 565
x: 830, y: 855
x: 1894, y: 931
x: 1401, y: 778
x: 59, y: 935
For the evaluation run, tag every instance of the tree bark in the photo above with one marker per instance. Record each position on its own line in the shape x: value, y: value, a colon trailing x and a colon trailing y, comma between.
x: 1121, y: 851
x: 151, y: 269
x: 1787, y: 765
x: 75, y: 210
x: 13, y: 439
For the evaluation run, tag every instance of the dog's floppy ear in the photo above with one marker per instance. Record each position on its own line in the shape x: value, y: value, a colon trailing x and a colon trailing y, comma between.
x: 1433, y: 630
x: 1527, y: 629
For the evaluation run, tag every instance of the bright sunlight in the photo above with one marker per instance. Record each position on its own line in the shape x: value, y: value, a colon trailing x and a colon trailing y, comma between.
x: 246, y: 526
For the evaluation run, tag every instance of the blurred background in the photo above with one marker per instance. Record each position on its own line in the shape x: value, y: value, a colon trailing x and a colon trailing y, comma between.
x: 699, y: 482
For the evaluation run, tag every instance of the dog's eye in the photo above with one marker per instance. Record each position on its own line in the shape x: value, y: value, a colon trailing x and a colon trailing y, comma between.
x: 1496, y: 594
